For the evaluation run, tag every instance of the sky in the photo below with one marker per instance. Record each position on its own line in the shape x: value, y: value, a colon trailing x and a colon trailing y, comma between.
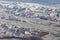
x: 39, y: 1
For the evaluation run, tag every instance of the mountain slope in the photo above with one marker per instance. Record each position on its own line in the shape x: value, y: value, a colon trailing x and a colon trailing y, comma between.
x: 18, y: 19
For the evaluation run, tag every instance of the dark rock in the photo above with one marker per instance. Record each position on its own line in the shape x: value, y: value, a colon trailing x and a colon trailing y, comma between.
x: 43, y: 18
x: 57, y: 25
x: 4, y: 26
x: 41, y: 34
x: 35, y: 38
x: 12, y: 30
x: 18, y: 32
x: 32, y: 38
x: 2, y: 17
x: 21, y: 9
x: 22, y: 30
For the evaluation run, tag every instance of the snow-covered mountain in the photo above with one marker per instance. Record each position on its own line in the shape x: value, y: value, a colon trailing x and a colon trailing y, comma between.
x: 14, y: 15
x: 30, y: 9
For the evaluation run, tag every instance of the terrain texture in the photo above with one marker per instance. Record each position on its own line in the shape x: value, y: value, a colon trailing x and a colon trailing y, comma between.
x: 29, y: 21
